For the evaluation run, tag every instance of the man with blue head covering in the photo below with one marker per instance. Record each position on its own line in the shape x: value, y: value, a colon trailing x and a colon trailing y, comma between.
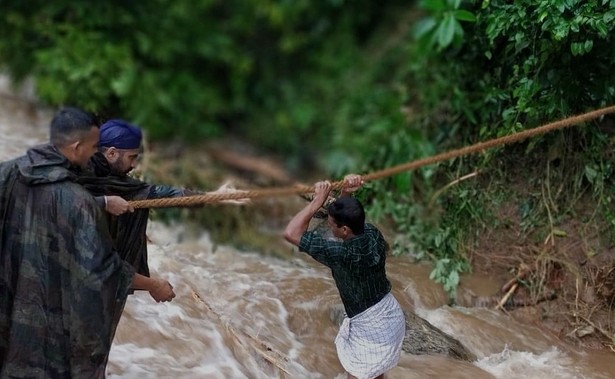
x: 120, y: 134
x: 120, y: 143
x: 119, y: 148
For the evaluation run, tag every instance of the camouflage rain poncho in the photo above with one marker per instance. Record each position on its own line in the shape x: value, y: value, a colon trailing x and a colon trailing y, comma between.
x: 62, y: 287
x: 127, y: 230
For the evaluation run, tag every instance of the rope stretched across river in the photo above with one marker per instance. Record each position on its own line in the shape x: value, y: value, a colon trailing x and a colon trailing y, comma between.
x: 212, y: 197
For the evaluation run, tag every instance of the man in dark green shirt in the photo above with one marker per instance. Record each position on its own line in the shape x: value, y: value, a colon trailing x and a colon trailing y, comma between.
x: 357, y: 261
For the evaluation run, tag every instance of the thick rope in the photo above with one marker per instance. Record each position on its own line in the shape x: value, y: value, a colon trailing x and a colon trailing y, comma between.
x: 213, y: 197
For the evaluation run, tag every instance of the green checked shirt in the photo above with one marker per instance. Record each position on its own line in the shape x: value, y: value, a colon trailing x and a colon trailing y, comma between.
x: 357, y: 266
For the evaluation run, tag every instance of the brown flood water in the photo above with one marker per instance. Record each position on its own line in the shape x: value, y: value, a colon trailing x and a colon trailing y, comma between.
x: 243, y: 315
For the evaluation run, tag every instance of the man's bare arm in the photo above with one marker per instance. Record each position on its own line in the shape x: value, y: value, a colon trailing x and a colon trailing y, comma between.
x: 299, y: 224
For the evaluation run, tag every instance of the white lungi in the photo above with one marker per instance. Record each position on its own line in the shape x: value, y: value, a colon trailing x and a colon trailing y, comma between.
x: 369, y: 344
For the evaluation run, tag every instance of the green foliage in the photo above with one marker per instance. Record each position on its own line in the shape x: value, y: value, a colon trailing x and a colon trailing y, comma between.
x: 543, y: 59
x: 597, y: 173
x: 482, y: 70
x: 443, y: 26
x: 505, y: 66
x: 188, y: 68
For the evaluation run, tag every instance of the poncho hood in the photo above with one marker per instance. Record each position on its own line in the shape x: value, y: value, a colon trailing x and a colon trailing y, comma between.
x: 44, y: 164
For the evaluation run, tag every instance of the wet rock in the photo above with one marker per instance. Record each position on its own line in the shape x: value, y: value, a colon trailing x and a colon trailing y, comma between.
x: 421, y: 337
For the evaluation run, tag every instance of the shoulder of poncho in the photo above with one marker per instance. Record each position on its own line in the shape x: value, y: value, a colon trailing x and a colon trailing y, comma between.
x: 81, y: 199
x: 45, y: 165
x: 9, y: 165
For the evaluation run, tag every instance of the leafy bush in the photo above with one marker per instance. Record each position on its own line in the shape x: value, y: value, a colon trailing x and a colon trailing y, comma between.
x: 189, y: 68
x: 479, y: 70
x: 502, y: 66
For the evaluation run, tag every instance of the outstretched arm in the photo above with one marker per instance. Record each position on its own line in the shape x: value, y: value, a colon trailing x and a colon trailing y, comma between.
x: 299, y: 224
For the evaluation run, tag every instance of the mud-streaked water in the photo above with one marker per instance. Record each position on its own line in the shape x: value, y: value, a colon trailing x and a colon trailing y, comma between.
x: 243, y: 315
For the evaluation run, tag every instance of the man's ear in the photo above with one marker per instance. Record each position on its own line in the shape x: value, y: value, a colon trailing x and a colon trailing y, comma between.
x: 111, y: 153
x: 345, y: 231
x: 75, y: 146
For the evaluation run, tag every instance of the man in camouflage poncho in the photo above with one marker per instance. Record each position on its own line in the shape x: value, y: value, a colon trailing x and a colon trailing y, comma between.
x: 62, y: 286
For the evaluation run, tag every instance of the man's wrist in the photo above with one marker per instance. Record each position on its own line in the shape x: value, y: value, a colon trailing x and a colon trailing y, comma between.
x: 316, y: 204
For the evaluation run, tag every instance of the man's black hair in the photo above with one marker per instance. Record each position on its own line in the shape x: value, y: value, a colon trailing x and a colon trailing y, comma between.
x: 348, y: 211
x: 69, y: 125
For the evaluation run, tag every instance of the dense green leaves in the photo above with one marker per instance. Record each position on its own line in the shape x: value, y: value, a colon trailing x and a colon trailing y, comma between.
x: 444, y: 26
x: 519, y: 64
x: 187, y: 68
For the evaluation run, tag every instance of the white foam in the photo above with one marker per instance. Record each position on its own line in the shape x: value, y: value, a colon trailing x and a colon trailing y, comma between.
x: 511, y: 364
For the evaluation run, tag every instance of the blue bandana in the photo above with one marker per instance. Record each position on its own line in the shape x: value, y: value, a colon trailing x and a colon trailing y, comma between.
x: 120, y: 134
